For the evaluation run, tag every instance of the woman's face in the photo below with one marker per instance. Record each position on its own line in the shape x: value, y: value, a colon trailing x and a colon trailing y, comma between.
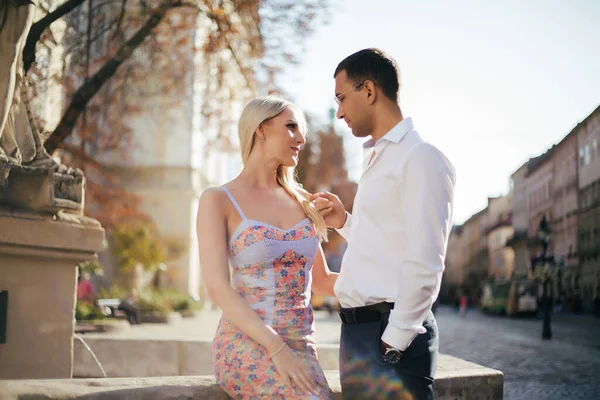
x: 282, y: 138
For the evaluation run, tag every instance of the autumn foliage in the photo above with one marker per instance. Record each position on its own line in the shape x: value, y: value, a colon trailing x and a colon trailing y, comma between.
x: 114, y: 50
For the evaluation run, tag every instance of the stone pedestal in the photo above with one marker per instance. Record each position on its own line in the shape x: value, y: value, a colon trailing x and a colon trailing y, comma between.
x: 38, y: 255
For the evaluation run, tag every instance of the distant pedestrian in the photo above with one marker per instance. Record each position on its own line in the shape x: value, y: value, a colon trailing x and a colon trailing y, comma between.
x: 130, y: 306
x: 85, y: 291
x: 463, y: 306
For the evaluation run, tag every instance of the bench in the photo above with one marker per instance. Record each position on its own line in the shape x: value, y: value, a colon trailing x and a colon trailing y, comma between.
x: 110, y: 307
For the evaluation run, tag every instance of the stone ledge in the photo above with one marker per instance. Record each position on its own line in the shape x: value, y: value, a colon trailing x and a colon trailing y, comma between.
x: 457, y: 380
x: 44, y: 232
x: 122, y: 358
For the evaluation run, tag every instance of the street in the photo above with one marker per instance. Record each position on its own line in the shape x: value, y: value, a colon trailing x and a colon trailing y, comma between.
x: 566, y: 367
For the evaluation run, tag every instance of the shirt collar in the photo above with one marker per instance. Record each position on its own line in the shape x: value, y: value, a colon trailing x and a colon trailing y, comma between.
x: 395, y: 134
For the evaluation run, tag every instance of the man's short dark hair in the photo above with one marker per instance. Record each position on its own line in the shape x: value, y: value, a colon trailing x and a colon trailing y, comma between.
x: 373, y: 65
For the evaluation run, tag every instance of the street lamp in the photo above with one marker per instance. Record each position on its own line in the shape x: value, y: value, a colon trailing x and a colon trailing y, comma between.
x: 545, y: 269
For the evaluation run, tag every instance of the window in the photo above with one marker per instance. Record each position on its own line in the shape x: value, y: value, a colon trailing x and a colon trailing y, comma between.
x: 587, y: 154
x: 581, y: 156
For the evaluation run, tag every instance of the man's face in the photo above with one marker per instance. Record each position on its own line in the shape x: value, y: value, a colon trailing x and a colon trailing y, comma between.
x: 352, y: 104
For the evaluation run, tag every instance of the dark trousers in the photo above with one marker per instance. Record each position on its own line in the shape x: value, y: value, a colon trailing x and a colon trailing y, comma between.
x: 365, y: 375
x: 133, y: 314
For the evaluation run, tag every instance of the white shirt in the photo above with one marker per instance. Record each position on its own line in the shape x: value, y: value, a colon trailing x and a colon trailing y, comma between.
x: 398, y: 233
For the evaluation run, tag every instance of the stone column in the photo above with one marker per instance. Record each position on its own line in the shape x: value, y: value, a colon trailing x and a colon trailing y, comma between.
x: 38, y: 256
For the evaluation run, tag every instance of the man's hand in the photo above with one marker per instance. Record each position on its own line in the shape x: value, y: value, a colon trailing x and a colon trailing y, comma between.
x: 331, y: 208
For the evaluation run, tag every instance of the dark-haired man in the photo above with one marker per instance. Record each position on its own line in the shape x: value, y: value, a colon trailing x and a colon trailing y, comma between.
x: 397, y: 239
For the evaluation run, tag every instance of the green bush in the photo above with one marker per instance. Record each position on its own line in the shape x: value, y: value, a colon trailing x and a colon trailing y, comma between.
x: 154, y: 301
x: 138, y: 244
x: 114, y: 292
x: 85, y: 311
x: 92, y: 267
x: 165, y: 301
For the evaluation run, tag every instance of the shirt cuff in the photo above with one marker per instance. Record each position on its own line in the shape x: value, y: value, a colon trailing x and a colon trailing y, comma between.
x: 400, y: 338
x: 345, y: 229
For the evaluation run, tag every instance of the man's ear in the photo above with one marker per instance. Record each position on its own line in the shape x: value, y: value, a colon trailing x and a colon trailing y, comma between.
x: 371, y: 91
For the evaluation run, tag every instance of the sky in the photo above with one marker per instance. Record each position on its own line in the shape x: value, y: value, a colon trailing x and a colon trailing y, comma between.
x: 490, y: 84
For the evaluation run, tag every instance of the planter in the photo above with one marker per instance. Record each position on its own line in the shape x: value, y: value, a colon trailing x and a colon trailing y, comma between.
x: 154, y: 317
x: 188, y: 313
x: 101, y: 326
x: 104, y: 325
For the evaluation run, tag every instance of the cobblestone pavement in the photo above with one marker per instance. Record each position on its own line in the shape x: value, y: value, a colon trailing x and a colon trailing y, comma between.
x: 566, y: 367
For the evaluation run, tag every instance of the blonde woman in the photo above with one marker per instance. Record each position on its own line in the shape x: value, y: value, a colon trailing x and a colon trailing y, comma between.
x: 269, y: 230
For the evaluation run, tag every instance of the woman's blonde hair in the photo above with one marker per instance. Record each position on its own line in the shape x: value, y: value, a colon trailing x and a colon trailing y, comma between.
x: 261, y: 110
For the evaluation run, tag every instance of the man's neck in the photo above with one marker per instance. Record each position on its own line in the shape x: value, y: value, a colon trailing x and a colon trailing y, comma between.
x: 388, y: 118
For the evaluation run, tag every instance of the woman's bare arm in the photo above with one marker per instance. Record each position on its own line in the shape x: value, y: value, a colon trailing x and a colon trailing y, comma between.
x: 323, y: 278
x: 214, y: 265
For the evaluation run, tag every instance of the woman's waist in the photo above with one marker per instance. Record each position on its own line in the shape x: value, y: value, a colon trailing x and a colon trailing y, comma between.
x: 288, y: 325
x: 291, y: 297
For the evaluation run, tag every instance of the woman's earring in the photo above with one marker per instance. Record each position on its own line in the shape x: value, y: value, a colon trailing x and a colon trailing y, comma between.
x: 262, y: 139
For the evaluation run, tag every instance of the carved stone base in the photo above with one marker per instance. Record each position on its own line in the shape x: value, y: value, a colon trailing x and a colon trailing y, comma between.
x: 43, y: 190
x: 4, y: 171
x: 38, y: 255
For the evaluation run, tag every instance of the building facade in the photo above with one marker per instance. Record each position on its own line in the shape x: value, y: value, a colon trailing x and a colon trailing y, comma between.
x: 499, y: 231
x: 587, y: 279
x: 476, y: 257
x: 520, y: 221
x: 453, y: 277
x: 539, y: 192
x: 565, y: 221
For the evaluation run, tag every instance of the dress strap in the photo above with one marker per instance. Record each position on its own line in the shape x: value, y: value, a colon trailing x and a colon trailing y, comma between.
x: 235, y: 203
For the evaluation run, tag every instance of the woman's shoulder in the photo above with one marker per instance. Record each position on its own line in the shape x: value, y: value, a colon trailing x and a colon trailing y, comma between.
x: 212, y: 197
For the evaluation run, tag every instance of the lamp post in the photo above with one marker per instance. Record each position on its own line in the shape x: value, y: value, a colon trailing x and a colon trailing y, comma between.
x: 545, y: 270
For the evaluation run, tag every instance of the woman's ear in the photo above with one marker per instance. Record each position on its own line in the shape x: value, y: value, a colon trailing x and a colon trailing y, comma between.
x: 260, y: 132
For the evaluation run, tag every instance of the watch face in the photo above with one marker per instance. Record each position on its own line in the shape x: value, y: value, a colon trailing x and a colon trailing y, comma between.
x: 392, y: 356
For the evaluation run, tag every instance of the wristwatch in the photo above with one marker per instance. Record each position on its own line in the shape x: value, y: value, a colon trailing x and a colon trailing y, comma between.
x: 392, y: 355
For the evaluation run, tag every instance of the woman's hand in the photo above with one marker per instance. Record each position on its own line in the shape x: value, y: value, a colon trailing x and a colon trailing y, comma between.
x: 331, y: 208
x: 291, y: 368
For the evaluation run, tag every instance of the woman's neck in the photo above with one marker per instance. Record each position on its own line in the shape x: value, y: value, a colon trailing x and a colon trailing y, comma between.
x: 259, y: 175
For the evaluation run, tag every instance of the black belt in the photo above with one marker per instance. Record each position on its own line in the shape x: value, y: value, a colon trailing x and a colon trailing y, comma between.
x: 366, y: 314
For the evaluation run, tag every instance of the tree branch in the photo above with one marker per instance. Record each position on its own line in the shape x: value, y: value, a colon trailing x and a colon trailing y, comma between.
x: 35, y: 33
x: 98, y: 35
x: 78, y: 153
x: 87, y: 91
x: 119, y: 32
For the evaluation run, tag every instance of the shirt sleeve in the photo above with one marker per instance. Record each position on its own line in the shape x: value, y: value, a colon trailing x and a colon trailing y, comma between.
x: 345, y: 230
x: 428, y: 181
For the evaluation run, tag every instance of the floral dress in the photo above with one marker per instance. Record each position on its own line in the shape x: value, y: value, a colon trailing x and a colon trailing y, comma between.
x: 272, y: 272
